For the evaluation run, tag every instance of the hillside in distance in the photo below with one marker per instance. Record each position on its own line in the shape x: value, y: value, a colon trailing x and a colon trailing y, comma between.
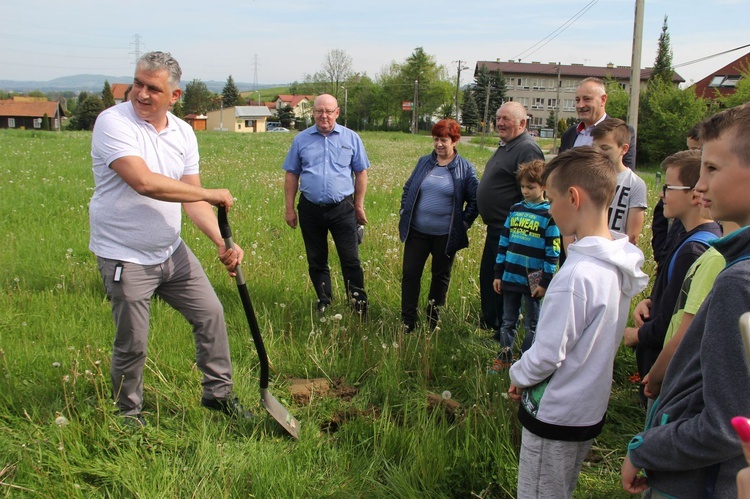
x: 95, y: 83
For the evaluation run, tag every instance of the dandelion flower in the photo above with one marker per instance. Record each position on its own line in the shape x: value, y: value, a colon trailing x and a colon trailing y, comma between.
x: 55, y: 364
x: 446, y: 395
x: 61, y: 421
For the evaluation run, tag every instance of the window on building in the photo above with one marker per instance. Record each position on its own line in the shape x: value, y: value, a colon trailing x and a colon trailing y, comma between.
x: 724, y: 81
x: 569, y: 105
x: 524, y: 101
x: 552, y: 103
x: 717, y: 81
x: 37, y: 122
x: 538, y: 103
x: 11, y: 123
x: 537, y: 121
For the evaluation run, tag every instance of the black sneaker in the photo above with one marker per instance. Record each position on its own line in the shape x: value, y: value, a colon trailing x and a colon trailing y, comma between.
x: 133, y: 421
x: 230, y: 406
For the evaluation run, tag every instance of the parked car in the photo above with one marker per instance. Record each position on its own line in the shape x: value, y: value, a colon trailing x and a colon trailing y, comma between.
x: 277, y: 129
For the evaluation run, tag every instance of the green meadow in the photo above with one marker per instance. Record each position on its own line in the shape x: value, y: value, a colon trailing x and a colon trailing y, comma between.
x: 391, y: 415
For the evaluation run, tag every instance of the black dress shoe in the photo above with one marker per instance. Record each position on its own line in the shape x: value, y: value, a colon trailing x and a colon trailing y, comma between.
x: 230, y: 406
x: 133, y: 421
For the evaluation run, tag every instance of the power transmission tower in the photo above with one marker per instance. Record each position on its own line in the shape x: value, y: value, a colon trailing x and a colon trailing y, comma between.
x: 137, y: 43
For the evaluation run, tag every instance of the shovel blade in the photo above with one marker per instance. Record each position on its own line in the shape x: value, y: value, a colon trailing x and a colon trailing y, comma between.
x: 279, y: 413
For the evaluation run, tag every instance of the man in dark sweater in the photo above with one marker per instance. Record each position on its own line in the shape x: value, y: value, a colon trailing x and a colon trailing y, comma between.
x: 498, y: 191
x: 591, y: 102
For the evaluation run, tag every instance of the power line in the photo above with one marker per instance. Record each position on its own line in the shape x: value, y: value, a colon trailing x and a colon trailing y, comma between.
x: 695, y: 61
x: 544, y: 41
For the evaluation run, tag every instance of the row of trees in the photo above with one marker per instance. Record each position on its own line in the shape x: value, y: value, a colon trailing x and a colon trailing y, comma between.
x: 666, y: 112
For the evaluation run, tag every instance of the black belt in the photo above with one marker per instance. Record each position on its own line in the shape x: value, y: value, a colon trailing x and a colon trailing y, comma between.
x: 327, y: 206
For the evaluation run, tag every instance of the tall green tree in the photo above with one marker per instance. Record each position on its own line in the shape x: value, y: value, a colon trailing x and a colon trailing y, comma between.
x: 286, y: 116
x: 196, y: 99
x: 230, y: 94
x: 663, y: 64
x: 491, y: 82
x: 361, y: 96
x: 666, y: 115
x: 435, y: 88
x: 617, y: 99
x: 550, y: 123
x: 86, y: 113
x: 469, y: 111
x: 108, y: 99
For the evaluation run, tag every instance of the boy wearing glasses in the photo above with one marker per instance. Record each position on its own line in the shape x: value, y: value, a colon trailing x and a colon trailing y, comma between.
x: 652, y: 315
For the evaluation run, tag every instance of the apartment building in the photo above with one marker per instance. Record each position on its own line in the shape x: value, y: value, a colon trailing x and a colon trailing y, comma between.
x: 535, y: 85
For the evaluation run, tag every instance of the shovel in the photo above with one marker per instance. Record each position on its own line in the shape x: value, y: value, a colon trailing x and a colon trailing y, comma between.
x: 274, y: 408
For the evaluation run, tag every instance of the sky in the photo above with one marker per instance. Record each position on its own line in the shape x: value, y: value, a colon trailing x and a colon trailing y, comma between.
x: 282, y: 41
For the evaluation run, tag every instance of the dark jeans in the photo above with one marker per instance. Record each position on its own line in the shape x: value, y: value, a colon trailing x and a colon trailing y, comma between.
x: 511, y: 305
x: 417, y: 248
x: 492, y: 303
x: 316, y: 221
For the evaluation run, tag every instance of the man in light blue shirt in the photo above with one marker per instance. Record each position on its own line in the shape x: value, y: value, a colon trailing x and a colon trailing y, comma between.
x: 320, y: 164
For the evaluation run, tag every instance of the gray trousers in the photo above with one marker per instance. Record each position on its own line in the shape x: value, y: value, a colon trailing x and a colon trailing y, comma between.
x: 549, y: 468
x: 181, y: 282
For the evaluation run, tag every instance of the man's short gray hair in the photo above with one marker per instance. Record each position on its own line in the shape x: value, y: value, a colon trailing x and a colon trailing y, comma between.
x: 157, y: 61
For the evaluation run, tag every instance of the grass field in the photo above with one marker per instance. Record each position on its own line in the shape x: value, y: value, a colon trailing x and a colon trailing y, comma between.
x: 405, y: 416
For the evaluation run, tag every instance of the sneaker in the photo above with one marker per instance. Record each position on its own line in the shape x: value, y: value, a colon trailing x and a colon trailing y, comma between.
x: 133, y: 421
x: 230, y: 406
x: 321, y: 307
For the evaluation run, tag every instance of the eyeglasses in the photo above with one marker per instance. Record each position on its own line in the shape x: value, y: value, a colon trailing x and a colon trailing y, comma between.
x: 321, y: 112
x: 667, y: 187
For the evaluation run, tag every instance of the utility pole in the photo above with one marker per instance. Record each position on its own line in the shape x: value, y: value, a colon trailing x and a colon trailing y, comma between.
x: 346, y: 104
x: 460, y: 67
x: 635, y: 68
x: 255, y: 73
x: 557, y: 111
x: 414, y: 112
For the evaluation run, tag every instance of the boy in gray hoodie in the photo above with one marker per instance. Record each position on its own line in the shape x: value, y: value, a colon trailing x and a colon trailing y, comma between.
x: 689, y: 448
x: 563, y: 381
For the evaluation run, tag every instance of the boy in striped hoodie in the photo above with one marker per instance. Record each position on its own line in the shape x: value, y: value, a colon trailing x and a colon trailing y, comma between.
x: 527, y: 257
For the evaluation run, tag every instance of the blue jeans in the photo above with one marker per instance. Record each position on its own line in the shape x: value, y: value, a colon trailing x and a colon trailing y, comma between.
x: 511, y: 306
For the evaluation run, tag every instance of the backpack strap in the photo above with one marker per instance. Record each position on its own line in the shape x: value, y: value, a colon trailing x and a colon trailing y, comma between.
x: 702, y: 236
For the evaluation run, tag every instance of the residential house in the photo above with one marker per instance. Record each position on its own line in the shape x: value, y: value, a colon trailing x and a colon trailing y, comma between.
x: 723, y: 81
x: 118, y: 91
x: 301, y: 105
x: 542, y: 88
x: 23, y: 113
x: 243, y: 119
